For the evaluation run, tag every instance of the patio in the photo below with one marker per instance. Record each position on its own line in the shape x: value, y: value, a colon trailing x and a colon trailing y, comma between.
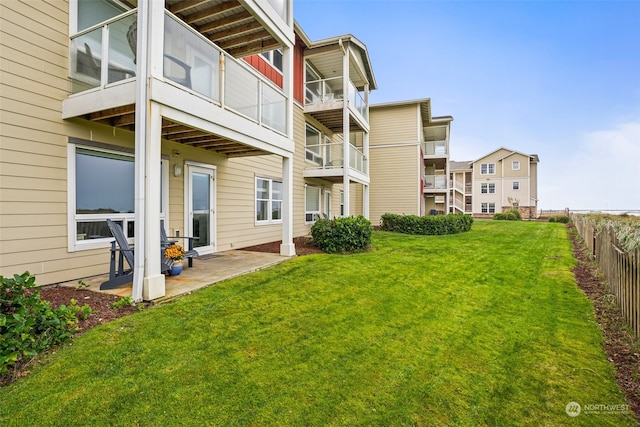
x: 206, y: 270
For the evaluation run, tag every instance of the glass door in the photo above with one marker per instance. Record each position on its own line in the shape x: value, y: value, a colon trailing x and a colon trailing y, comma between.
x: 200, y: 208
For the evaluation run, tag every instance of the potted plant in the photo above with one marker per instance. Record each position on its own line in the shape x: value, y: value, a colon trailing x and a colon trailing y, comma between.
x: 176, y: 253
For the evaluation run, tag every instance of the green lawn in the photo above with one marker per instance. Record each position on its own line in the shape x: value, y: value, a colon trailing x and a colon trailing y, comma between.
x: 482, y: 328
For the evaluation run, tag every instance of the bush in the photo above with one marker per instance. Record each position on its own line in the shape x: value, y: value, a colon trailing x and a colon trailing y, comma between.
x: 345, y: 234
x: 564, y: 219
x: 28, y: 325
x: 499, y: 216
x: 426, y: 225
x: 512, y: 215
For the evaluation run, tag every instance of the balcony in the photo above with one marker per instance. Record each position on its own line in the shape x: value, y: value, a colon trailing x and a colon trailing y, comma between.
x: 327, y: 161
x: 434, y: 149
x: 324, y: 100
x: 435, y: 183
x: 198, y: 79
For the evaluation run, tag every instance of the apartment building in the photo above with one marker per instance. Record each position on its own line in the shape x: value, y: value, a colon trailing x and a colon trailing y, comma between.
x: 219, y: 117
x: 500, y: 181
x: 409, y: 159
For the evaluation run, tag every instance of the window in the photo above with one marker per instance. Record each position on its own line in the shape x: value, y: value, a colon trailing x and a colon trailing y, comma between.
x: 488, y: 208
x: 313, y: 151
x: 101, y: 186
x: 516, y: 185
x: 488, y: 188
x: 312, y: 203
x: 515, y: 165
x: 487, y: 168
x: 268, y: 200
x: 274, y: 57
x: 94, y: 12
x: 341, y: 203
x: 313, y: 85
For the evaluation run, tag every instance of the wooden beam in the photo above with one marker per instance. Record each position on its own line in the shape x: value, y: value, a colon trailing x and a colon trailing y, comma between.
x: 231, y: 32
x: 244, y: 39
x: 211, y: 12
x: 112, y: 112
x: 185, y: 5
x: 254, y: 48
x: 224, y: 22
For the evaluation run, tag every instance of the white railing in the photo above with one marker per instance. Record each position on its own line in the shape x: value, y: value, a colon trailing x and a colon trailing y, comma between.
x: 434, y: 148
x: 189, y: 60
x: 356, y: 99
x: 101, y: 54
x: 330, y: 156
x: 435, y: 182
x: 459, y: 186
x: 467, y: 189
x: 328, y: 90
x: 324, y: 90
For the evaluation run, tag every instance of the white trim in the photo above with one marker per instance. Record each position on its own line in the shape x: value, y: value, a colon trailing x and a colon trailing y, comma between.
x: 187, y: 220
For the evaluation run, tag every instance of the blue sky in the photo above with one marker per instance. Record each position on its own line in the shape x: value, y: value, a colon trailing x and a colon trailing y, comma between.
x: 560, y: 79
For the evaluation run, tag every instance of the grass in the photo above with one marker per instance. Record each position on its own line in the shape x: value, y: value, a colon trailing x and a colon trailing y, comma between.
x: 481, y: 328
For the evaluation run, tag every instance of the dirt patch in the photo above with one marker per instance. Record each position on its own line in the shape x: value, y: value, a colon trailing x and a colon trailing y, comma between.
x: 621, y: 347
x: 304, y: 246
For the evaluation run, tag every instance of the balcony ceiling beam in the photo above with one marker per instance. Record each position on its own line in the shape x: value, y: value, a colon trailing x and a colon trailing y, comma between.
x: 185, y: 5
x: 258, y: 46
x: 211, y: 12
x: 218, y: 36
x: 227, y: 22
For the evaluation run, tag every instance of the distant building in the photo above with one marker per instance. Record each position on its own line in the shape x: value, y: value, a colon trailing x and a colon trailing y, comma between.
x: 497, y: 182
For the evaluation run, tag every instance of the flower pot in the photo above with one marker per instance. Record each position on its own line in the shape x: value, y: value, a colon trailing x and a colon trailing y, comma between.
x: 176, y: 268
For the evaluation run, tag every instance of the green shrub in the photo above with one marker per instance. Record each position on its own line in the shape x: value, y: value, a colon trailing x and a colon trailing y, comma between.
x: 28, y: 324
x: 552, y: 219
x: 499, y: 216
x: 512, y: 216
x: 426, y: 225
x: 345, y: 234
x: 564, y: 219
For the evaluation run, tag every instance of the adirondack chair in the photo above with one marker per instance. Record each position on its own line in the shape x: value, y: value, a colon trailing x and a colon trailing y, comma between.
x: 118, y: 273
x: 165, y: 242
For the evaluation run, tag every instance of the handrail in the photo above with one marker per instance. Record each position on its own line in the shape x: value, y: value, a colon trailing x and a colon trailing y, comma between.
x: 330, y: 156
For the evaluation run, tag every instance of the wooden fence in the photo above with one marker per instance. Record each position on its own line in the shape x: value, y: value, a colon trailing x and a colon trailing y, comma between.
x: 620, y: 268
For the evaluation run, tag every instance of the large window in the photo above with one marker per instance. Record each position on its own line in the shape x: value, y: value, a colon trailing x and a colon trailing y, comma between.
x: 488, y: 188
x: 312, y: 203
x: 274, y: 57
x: 268, y: 200
x: 487, y: 168
x: 101, y: 187
x: 489, y: 208
x: 313, y: 152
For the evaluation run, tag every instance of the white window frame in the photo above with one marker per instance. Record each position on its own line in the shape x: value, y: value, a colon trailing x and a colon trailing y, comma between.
x: 310, y: 156
x: 269, y: 58
x: 311, y: 216
x: 270, y: 200
x: 516, y: 185
x: 488, y: 208
x: 492, y: 188
x: 484, y: 188
x: 73, y: 243
x: 515, y: 165
x: 341, y: 203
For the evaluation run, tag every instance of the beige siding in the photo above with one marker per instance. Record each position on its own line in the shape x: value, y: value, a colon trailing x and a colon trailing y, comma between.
x: 394, y: 124
x: 395, y: 181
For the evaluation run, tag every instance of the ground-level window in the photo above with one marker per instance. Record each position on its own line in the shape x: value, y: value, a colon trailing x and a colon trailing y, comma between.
x: 487, y: 168
x: 268, y: 200
x: 101, y: 187
x: 516, y: 185
x: 312, y: 203
x: 488, y: 208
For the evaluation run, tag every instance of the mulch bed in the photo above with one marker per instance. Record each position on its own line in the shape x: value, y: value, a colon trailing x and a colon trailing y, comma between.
x: 621, y: 348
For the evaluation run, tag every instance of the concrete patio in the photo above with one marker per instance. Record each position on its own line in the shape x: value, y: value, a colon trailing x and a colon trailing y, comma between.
x: 206, y: 270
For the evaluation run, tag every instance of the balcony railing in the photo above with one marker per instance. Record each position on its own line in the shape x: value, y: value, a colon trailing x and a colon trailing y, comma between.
x: 435, y: 182
x: 189, y: 60
x: 356, y: 99
x: 329, y: 156
x: 101, y: 55
x: 434, y: 148
x: 328, y: 90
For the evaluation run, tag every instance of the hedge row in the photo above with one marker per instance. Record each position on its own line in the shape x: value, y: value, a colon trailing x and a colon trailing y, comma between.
x: 428, y: 225
x: 344, y: 234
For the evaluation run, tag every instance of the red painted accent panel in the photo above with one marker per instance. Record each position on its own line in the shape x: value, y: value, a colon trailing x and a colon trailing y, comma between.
x: 298, y: 71
x: 264, y: 68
